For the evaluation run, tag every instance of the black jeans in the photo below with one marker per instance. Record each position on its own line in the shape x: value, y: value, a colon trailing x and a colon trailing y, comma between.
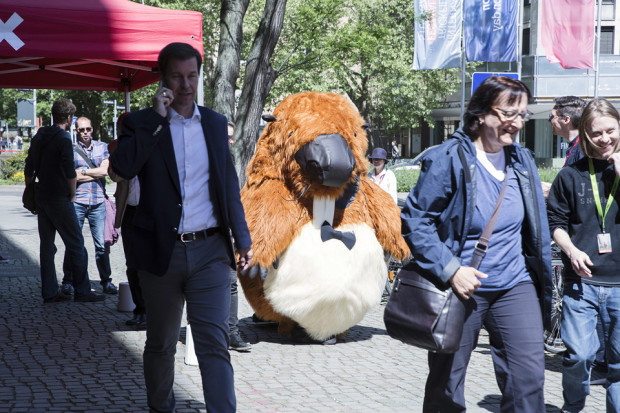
x: 132, y: 273
x: 514, y: 323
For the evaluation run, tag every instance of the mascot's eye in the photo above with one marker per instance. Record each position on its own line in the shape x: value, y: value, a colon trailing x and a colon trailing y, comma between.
x: 268, y: 117
x: 366, y: 126
x: 354, y: 134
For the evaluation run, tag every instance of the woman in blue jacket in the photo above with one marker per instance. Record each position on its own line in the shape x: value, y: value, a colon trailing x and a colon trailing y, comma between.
x: 443, y: 218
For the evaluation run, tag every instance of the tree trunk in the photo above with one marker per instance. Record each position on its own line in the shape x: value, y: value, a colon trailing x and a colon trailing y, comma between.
x: 227, y: 66
x: 259, y: 77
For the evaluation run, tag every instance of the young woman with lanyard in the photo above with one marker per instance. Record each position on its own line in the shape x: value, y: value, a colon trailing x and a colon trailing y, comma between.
x: 588, y: 232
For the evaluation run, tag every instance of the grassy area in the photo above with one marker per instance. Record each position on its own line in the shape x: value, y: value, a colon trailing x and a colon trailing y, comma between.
x: 407, y: 178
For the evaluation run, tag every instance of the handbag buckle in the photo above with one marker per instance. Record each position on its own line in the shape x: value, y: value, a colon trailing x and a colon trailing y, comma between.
x: 481, y: 247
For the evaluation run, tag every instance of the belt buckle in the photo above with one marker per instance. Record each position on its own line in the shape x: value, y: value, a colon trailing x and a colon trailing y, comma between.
x: 193, y: 234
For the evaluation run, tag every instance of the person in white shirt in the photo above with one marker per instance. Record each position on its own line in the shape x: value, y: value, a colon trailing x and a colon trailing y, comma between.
x: 381, y: 175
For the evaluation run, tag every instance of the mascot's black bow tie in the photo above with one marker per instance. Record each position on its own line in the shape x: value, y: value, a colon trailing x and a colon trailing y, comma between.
x: 328, y: 232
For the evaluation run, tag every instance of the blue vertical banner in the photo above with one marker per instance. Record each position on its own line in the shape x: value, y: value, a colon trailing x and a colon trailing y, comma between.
x: 438, y: 36
x: 490, y: 30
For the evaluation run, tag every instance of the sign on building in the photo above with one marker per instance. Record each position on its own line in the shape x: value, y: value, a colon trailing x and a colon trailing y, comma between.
x: 25, y: 113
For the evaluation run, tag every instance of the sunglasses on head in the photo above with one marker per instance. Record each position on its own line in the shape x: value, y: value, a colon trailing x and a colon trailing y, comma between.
x: 82, y: 130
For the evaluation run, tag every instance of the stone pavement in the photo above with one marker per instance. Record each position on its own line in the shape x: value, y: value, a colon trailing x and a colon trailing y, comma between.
x: 80, y: 357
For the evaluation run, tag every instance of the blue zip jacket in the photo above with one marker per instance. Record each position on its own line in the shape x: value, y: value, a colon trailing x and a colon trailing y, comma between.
x: 439, y: 210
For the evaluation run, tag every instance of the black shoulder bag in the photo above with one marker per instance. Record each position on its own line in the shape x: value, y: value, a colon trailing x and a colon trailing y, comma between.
x: 28, y: 197
x: 421, y: 313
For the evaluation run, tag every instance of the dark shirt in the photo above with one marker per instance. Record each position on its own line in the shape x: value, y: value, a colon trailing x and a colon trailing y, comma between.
x: 55, y: 149
x: 574, y: 153
x: 571, y: 207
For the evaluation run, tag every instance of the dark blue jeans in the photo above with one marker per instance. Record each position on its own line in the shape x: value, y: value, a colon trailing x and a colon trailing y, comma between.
x: 199, y: 274
x: 96, y: 221
x: 58, y: 215
x: 514, y: 323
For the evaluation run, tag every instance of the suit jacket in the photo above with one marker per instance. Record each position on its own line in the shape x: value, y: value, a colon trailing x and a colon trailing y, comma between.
x: 145, y: 149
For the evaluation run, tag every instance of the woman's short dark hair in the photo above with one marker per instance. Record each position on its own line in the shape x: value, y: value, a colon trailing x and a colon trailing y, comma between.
x: 596, y: 108
x: 61, y: 110
x: 176, y: 51
x: 486, y: 95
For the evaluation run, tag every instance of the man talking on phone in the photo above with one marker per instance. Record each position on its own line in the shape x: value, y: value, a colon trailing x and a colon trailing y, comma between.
x: 182, y: 244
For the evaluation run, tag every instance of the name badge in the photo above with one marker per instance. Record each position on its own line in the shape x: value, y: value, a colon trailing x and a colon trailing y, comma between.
x: 604, y: 243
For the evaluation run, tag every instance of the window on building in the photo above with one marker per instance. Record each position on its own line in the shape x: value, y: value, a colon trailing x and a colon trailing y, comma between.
x: 526, y: 41
x: 607, y: 40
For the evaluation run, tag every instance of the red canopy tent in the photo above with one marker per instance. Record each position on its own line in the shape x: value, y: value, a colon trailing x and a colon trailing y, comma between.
x: 88, y: 44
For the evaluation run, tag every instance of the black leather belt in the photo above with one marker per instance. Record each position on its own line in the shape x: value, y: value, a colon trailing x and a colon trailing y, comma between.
x: 193, y: 236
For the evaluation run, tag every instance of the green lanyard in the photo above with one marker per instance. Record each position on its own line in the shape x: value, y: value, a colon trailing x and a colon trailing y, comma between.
x: 597, y: 199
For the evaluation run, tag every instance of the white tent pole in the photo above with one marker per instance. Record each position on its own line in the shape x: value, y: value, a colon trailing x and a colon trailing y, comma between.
x: 201, y: 87
x: 597, y: 48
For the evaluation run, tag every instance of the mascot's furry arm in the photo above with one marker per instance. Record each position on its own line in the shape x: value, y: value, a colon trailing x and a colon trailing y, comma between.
x: 272, y: 219
x: 385, y: 216
x: 376, y: 208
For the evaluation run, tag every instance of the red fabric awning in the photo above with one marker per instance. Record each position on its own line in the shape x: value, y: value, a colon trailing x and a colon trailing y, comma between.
x: 88, y: 44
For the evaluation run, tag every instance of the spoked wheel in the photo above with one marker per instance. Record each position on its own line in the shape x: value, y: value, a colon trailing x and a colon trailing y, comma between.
x: 553, y: 337
x: 394, y: 266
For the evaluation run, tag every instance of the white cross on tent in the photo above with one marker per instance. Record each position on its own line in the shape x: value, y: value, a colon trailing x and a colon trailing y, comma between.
x: 6, y: 31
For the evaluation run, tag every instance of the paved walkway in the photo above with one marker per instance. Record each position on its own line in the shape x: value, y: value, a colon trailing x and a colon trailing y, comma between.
x: 80, y: 357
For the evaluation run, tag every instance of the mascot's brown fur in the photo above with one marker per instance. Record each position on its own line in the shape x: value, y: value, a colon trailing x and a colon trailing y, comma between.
x: 322, y: 286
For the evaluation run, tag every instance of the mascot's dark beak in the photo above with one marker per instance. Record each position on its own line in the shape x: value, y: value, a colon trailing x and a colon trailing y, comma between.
x: 328, y: 159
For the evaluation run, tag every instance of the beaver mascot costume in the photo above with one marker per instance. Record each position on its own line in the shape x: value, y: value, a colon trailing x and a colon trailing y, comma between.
x: 319, y: 227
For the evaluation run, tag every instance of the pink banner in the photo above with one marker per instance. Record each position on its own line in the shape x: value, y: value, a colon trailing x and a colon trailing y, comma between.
x: 568, y: 32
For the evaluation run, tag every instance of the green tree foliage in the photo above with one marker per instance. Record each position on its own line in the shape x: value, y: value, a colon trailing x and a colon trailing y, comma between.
x: 363, y: 49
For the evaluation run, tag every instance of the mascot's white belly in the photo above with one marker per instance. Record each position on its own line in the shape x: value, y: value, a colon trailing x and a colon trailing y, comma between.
x: 323, y: 286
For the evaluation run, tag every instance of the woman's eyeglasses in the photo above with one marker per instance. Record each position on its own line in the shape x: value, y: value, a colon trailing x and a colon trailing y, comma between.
x: 512, y: 114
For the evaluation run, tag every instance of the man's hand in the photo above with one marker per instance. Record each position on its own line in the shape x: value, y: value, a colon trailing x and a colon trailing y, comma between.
x: 578, y: 259
x: 465, y: 281
x: 580, y: 262
x: 245, y: 258
x: 162, y: 99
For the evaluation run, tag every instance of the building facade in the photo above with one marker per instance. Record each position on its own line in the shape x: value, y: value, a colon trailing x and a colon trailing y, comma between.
x: 545, y: 80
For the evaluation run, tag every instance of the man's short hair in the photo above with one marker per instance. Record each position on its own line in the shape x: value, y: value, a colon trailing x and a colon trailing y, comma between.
x: 176, y: 51
x: 61, y: 110
x: 231, y: 123
x: 571, y: 106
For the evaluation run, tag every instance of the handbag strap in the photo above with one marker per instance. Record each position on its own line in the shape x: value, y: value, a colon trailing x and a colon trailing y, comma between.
x: 483, y: 242
x: 90, y: 163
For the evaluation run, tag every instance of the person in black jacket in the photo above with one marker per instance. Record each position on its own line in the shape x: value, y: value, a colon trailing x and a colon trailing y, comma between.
x: 183, y: 228
x: 50, y: 158
x: 583, y: 219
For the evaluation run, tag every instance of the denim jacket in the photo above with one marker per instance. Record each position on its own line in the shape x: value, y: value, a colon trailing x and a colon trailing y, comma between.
x: 439, y: 209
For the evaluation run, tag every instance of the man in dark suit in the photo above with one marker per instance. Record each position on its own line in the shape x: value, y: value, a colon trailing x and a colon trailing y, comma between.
x: 182, y: 244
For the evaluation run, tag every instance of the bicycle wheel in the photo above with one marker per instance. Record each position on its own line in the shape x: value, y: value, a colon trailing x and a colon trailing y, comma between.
x: 553, y: 338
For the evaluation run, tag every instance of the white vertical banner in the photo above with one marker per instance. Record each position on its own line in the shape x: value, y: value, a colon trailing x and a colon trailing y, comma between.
x: 438, y: 37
